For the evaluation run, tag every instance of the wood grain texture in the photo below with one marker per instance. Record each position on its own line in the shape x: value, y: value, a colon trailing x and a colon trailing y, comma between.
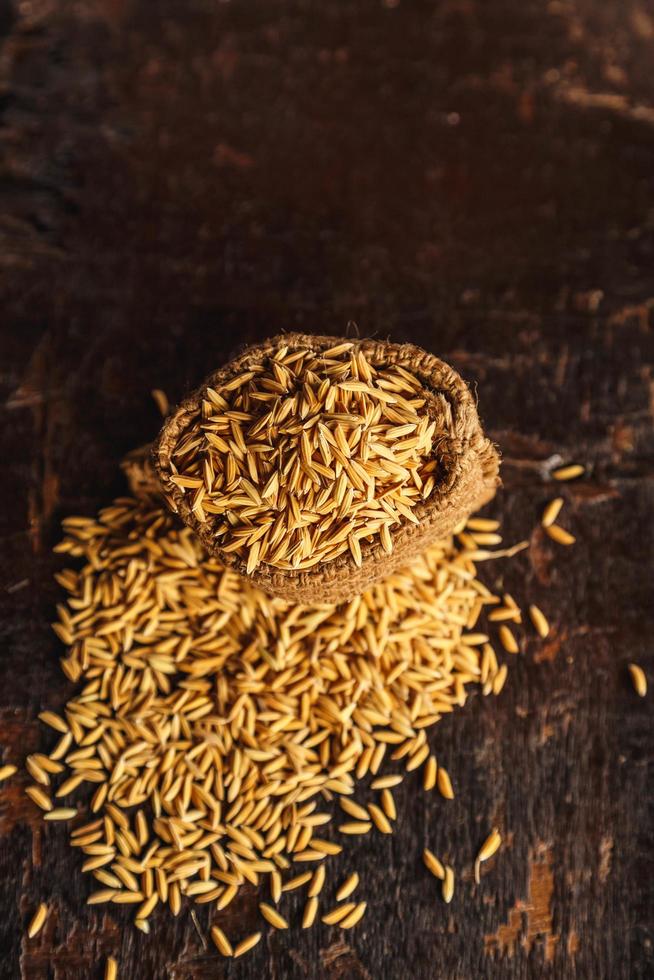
x: 475, y: 178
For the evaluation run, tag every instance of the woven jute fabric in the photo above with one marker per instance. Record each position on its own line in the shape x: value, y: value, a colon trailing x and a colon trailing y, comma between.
x: 468, y: 473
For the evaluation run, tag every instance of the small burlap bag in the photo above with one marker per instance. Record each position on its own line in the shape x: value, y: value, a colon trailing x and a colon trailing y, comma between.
x: 467, y: 474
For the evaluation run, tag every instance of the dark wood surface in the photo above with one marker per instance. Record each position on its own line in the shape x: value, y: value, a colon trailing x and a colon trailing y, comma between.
x: 180, y: 177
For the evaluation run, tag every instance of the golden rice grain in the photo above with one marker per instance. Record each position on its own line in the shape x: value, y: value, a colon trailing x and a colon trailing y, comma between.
x: 448, y: 884
x: 7, y: 771
x: 101, y: 896
x: 38, y: 796
x: 36, y: 923
x: 309, y: 914
x: 355, y: 827
x: 388, y: 804
x: 353, y: 809
x: 482, y: 524
x: 638, y: 679
x: 110, y: 969
x: 539, y: 621
x: 508, y: 640
x: 429, y: 773
x: 559, y: 534
x: 354, y: 917
x: 246, y: 944
x: 349, y: 885
x: 487, y: 849
x: 272, y: 916
x: 386, y: 782
x: 551, y: 511
x: 505, y: 614
x: 499, y: 679
x: 444, y: 784
x: 570, y: 472
x: 379, y: 819
x: 221, y: 942
x: 317, y: 881
x: 61, y: 813
x: 298, y: 881
x: 275, y: 886
x: 335, y: 915
x: 433, y: 864
x: 53, y: 721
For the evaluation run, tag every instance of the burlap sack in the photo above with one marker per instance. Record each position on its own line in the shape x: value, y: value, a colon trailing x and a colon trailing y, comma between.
x: 468, y: 473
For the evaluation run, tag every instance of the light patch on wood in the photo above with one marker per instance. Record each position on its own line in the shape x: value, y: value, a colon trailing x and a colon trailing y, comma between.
x: 343, y: 960
x: 531, y: 919
x: 547, y: 651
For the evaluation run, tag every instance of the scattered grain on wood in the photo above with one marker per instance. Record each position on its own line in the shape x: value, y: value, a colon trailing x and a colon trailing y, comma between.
x: 338, y: 913
x: 348, y: 886
x: 571, y: 472
x: 487, y: 849
x: 309, y: 914
x: 508, y: 640
x: 221, y: 942
x: 552, y: 511
x: 429, y: 773
x: 433, y: 864
x: 354, y: 917
x: 448, y: 884
x: 539, y: 621
x: 559, y: 534
x: 638, y: 679
x: 272, y: 916
x: 37, y: 921
x: 246, y: 944
x: 444, y: 784
x: 193, y: 687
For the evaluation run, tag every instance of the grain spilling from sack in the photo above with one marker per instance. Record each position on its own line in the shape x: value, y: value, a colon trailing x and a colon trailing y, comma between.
x: 214, y: 724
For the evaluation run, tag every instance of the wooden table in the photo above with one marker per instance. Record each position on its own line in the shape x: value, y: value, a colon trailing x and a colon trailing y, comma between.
x: 477, y: 178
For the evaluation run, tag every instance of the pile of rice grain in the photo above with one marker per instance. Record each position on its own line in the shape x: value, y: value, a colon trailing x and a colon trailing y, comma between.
x: 215, y: 724
x: 298, y: 459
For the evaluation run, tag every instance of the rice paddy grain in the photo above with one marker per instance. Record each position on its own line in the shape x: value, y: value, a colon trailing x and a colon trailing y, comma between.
x: 433, y: 864
x: 246, y: 944
x: 309, y: 914
x: 559, y: 534
x: 638, y: 679
x: 552, y: 511
x: 569, y: 472
x: 487, y: 849
x: 448, y: 884
x: 37, y: 921
x: 338, y: 913
x: 539, y: 621
x: 272, y: 916
x: 508, y: 640
x: 429, y: 773
x: 444, y: 784
x: 221, y: 942
x: 354, y: 917
x: 349, y: 885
